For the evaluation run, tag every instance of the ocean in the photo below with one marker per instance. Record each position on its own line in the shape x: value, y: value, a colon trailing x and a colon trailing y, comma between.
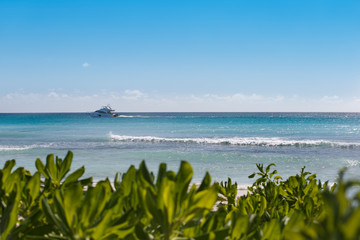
x: 224, y: 144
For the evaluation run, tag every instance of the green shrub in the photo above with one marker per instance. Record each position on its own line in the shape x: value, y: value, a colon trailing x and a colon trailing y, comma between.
x: 56, y: 204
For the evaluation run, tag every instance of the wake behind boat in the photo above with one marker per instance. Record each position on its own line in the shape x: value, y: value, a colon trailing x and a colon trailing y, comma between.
x: 105, y: 111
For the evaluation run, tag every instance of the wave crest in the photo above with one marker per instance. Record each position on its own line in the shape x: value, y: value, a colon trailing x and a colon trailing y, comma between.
x: 23, y: 147
x: 15, y: 148
x: 246, y: 141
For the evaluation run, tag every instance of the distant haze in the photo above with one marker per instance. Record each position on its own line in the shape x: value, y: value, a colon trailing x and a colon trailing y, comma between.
x: 141, y: 102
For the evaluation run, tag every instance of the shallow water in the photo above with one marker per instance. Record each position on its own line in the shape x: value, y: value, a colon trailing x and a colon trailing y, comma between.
x: 225, y: 144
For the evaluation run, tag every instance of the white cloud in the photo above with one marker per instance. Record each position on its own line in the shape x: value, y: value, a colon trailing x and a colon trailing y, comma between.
x: 53, y: 94
x: 133, y: 95
x: 136, y: 100
x: 330, y: 99
x: 85, y: 64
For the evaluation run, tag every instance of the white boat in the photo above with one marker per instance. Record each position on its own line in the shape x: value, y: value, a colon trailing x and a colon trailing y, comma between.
x: 105, y: 111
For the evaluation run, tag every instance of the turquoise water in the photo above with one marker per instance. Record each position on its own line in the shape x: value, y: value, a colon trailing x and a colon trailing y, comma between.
x: 225, y: 144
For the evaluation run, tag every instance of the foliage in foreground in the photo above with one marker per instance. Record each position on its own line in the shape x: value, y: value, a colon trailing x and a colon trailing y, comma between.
x: 53, y: 203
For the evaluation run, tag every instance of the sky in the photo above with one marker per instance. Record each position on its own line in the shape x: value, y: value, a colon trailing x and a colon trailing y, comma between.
x: 187, y: 56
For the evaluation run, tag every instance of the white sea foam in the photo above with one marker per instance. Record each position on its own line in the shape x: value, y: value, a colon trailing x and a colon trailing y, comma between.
x: 130, y: 116
x: 245, y: 141
x: 24, y: 147
x: 352, y: 163
x: 14, y: 148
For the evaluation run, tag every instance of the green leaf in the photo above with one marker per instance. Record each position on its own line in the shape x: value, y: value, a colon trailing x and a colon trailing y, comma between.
x: 8, y: 166
x: 86, y: 181
x: 53, y: 171
x: 218, y: 234
x: 278, y: 177
x: 240, y: 226
x: 41, y: 168
x: 184, y: 176
x: 75, y: 175
x: 73, y: 198
x: 260, y: 167
x: 60, y: 216
x: 141, y: 233
x: 128, y: 180
x: 271, y: 230
x: 171, y: 175
x: 252, y: 175
x: 263, y: 205
x: 9, y: 214
x: 167, y: 198
x: 269, y: 166
x: 311, y: 177
x: 66, y: 164
x: 203, y: 200
x: 58, y: 162
x: 33, y: 186
x: 145, y: 174
x: 206, y: 182
x: 293, y: 182
x: 161, y: 174
x: 352, y: 225
x: 117, y: 181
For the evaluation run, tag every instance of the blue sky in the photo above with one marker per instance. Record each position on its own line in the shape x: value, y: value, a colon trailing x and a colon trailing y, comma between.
x: 258, y: 55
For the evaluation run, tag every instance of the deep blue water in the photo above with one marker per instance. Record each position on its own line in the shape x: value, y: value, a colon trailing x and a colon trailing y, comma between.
x: 225, y: 144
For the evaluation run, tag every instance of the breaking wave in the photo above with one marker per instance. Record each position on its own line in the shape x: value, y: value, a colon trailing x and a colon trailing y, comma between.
x: 4, y: 148
x: 352, y: 163
x: 246, y: 141
x: 14, y: 148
